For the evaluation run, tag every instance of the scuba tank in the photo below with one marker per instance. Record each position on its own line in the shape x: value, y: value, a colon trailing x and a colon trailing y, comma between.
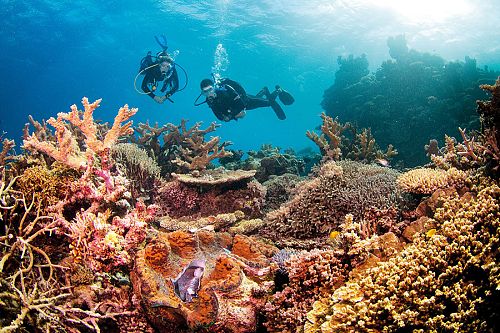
x: 146, y: 62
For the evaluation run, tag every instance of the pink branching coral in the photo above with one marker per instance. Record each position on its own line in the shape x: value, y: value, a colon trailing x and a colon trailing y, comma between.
x: 7, y: 145
x: 66, y: 150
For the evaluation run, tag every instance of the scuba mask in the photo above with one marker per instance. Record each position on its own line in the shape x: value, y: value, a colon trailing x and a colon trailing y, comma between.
x: 209, y: 92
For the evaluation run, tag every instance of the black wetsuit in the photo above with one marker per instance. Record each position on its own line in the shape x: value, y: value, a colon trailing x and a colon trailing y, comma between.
x: 231, y: 99
x: 154, y: 76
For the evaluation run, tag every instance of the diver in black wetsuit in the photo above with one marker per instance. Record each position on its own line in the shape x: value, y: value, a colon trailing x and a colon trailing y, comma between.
x: 164, y: 71
x: 229, y: 101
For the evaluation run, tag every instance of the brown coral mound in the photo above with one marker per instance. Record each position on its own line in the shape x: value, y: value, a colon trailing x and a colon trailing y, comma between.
x: 446, y: 281
x: 322, y: 203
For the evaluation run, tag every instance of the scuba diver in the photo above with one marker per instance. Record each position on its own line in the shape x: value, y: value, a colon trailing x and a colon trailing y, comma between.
x: 160, y: 70
x: 229, y: 101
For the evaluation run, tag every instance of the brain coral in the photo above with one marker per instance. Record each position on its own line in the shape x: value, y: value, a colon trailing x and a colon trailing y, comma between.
x: 447, y: 281
x: 321, y: 204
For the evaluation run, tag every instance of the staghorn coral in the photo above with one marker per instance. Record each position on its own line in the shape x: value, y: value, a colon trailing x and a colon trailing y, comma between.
x: 321, y: 203
x: 339, y: 141
x: 426, y: 181
x: 66, y: 150
x: 148, y: 137
x: 7, y: 145
x: 330, y: 140
x: 185, y: 149
x: 446, y: 281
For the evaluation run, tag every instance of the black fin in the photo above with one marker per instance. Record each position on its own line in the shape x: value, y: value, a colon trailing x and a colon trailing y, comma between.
x: 278, y: 110
x: 285, y: 97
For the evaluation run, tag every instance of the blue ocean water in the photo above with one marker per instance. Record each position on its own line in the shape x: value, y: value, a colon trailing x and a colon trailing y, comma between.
x: 55, y: 52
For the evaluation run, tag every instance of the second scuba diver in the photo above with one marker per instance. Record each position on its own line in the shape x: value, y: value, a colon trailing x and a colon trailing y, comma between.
x: 229, y: 101
x: 159, y: 70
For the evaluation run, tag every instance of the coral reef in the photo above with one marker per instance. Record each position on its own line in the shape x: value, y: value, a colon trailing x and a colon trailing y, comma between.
x: 446, y: 280
x: 409, y: 99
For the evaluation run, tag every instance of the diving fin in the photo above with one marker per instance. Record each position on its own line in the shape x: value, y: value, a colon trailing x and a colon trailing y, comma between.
x: 285, y: 97
x: 278, y: 110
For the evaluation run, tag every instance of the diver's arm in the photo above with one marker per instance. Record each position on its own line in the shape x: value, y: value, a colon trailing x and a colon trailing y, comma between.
x: 144, y: 86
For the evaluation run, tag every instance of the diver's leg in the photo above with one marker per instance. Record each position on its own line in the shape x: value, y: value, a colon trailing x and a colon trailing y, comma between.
x: 253, y: 102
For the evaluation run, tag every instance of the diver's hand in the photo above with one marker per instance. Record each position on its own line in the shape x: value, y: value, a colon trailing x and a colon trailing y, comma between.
x: 159, y: 99
x: 240, y: 115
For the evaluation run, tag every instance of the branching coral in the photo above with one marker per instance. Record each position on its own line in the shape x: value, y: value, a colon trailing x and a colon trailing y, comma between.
x: 330, y: 140
x: 66, y: 150
x: 446, y: 280
x: 185, y: 149
x: 7, y: 145
x: 334, y: 144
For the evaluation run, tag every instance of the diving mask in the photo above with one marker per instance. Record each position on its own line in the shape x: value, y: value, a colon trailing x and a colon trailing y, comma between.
x: 208, y: 92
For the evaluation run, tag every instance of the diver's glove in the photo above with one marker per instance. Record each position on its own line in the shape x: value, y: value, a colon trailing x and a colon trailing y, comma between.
x: 159, y: 99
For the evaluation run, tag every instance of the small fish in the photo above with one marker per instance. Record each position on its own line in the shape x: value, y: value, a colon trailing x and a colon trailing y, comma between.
x: 187, y: 284
x: 382, y: 161
x: 334, y: 234
x: 431, y: 232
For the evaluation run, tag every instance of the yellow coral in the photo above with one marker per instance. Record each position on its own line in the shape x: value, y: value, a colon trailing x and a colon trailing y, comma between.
x: 426, y: 181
